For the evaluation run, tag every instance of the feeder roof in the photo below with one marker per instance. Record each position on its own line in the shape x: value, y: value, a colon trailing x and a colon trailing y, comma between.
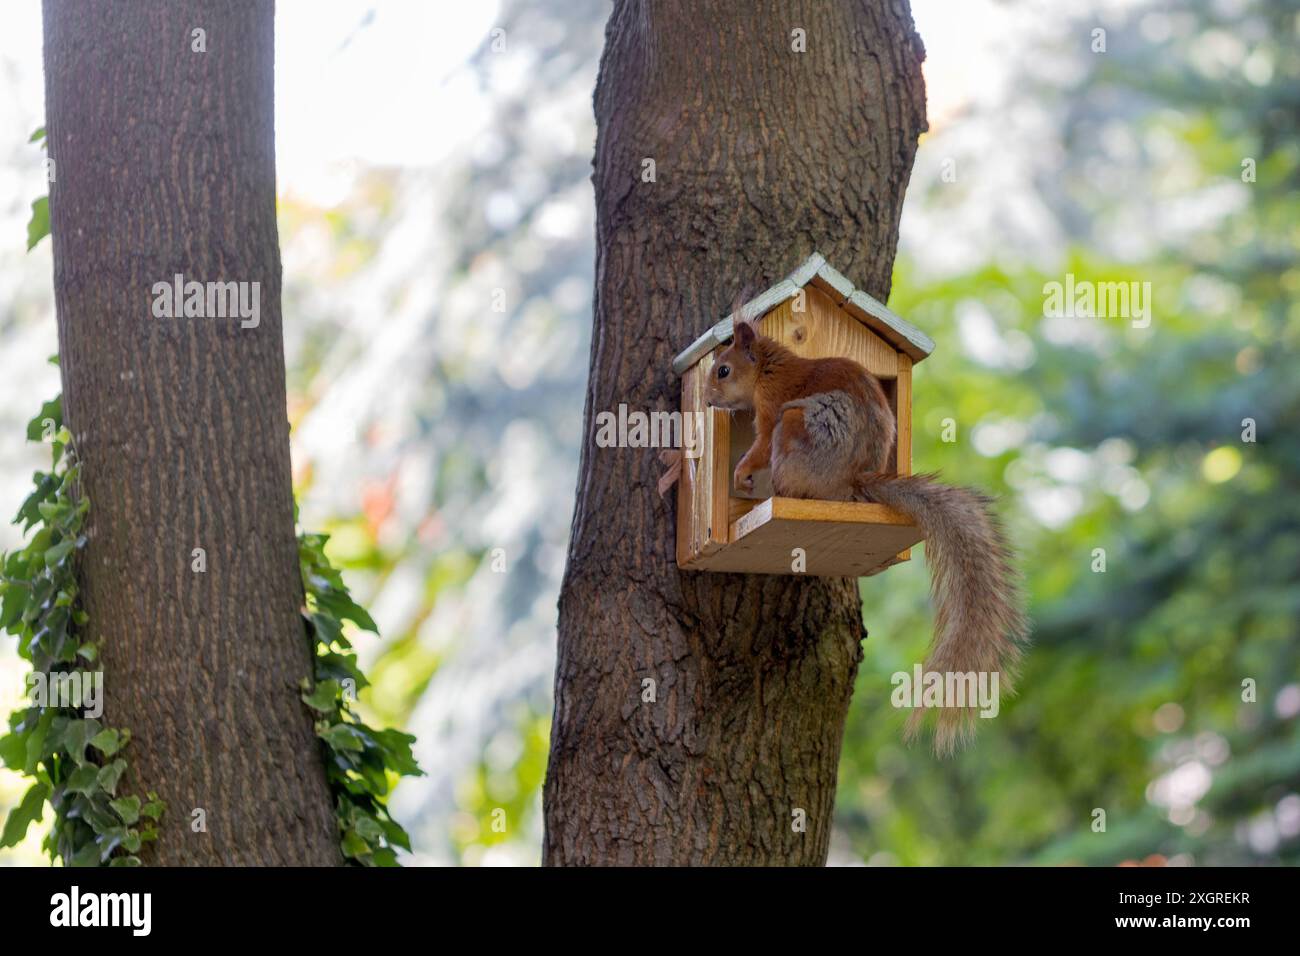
x: 816, y: 271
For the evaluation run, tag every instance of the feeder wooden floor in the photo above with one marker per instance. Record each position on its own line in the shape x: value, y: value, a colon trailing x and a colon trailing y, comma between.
x: 838, y: 538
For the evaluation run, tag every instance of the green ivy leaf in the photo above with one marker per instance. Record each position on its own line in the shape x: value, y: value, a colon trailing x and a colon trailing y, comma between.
x: 375, y: 775
x: 87, y: 855
x: 108, y: 742
x: 110, y: 840
x: 12, y: 606
x: 28, y: 811
x: 395, y: 834
x: 84, y: 780
x: 13, y: 751
x: 60, y: 551
x: 342, y: 737
x: 383, y: 856
x: 42, y: 591
x: 345, y: 609
x: 354, y: 846
x: 128, y: 808
x: 54, y: 510
x: 397, y: 751
x: 328, y: 630
x: 52, y: 410
x: 38, y: 227
x: 369, y: 829
x: 340, y: 667
x: 76, y: 735
x: 96, y: 812
x: 36, y: 749
x: 110, y: 775
x: 325, y: 697
x: 28, y: 515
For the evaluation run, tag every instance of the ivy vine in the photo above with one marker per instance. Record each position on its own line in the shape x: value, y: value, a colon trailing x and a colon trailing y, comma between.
x: 38, y: 226
x: 360, y: 762
x: 77, y: 764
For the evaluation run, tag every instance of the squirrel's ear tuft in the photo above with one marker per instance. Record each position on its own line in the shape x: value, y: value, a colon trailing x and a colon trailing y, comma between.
x: 744, y: 335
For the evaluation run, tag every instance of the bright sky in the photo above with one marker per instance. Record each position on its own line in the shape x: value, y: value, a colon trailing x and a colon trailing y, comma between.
x: 338, y: 63
x: 372, y: 82
x: 334, y: 80
x: 377, y: 81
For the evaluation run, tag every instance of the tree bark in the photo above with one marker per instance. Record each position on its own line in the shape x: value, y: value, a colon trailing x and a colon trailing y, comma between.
x: 762, y: 155
x: 165, y: 164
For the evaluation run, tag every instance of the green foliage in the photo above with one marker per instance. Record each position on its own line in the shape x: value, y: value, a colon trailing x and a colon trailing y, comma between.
x: 38, y: 227
x: 74, y: 760
x: 361, y: 763
x: 1132, y: 699
x: 496, y: 800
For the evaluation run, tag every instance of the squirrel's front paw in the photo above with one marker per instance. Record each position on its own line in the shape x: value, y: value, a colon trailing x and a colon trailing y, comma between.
x: 742, y: 479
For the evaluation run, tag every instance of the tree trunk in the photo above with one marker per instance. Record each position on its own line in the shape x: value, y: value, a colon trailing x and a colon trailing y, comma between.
x: 165, y: 164
x: 762, y: 155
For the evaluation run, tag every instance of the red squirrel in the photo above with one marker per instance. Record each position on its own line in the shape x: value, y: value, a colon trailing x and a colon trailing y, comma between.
x: 825, y: 428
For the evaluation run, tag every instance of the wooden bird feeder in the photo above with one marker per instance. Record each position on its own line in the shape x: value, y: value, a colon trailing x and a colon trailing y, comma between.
x: 817, y: 313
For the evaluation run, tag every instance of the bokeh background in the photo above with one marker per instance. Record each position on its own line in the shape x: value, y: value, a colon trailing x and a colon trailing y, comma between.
x: 436, y: 220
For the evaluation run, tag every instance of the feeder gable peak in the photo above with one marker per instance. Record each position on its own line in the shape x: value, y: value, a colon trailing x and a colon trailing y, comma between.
x: 817, y: 272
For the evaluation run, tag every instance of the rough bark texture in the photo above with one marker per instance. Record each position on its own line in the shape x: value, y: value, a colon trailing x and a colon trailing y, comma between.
x: 762, y: 155
x: 166, y: 164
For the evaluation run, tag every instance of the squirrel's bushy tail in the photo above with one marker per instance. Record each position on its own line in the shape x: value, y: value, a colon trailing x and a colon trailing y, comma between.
x: 980, y: 624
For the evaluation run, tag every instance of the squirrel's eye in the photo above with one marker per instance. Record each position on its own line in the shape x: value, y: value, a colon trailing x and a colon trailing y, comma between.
x: 723, y: 371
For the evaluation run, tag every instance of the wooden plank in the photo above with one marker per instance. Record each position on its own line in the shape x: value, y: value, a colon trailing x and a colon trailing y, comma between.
x: 717, y: 515
x: 904, y: 456
x: 825, y: 512
x: 722, y: 332
x: 903, y: 447
x: 698, y: 533
x: 831, y: 281
x: 687, y: 487
x: 898, y: 331
x: 808, y: 270
x: 823, y: 330
x: 716, y: 335
x: 816, y: 273
x: 838, y: 538
x: 741, y: 506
